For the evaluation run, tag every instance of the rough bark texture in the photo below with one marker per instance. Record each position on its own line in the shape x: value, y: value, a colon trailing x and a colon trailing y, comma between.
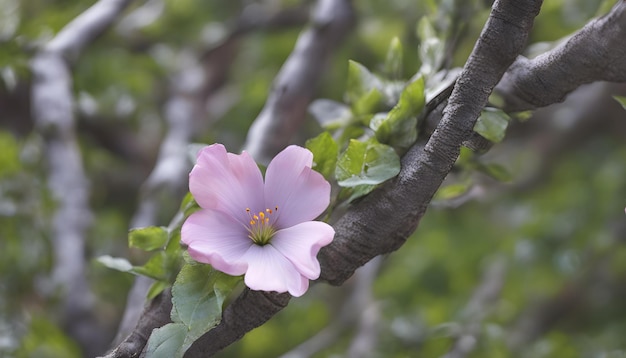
x: 595, y: 53
x: 382, y: 221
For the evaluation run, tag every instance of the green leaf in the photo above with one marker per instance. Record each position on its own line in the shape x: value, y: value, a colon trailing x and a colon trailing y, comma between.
x: 197, y: 297
x: 366, y: 163
x: 156, y: 288
x: 188, y: 205
x: 492, y: 124
x: 325, y: 151
x: 496, y: 171
x: 148, y: 238
x: 452, y: 191
x: 393, y: 62
x: 368, y: 103
x: 355, y: 192
x: 399, y: 127
x: 154, y: 268
x: 431, y: 49
x: 361, y: 83
x: 621, y: 100
x: 115, y: 263
x: 167, y: 341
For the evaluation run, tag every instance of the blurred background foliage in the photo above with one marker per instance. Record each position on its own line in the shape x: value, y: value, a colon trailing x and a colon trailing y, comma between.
x: 558, y: 238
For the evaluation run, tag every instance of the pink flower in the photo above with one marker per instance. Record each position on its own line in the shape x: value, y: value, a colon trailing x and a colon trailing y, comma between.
x: 261, y: 229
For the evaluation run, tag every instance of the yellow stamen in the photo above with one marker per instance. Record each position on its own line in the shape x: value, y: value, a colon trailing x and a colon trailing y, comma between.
x: 261, y: 230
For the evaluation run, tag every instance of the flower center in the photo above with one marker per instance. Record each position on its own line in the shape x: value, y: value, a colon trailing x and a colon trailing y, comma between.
x: 261, y: 230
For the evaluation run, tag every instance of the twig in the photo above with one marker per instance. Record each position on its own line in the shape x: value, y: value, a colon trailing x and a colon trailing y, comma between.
x: 295, y: 84
x: 52, y: 110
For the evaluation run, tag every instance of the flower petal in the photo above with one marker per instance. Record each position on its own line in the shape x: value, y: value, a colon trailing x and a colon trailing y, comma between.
x: 300, y: 193
x: 217, y: 239
x: 301, y: 243
x: 227, y: 182
x: 269, y: 270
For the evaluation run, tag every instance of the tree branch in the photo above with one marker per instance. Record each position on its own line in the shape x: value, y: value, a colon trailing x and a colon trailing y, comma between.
x: 382, y: 221
x: 52, y: 110
x: 295, y: 84
x: 595, y: 53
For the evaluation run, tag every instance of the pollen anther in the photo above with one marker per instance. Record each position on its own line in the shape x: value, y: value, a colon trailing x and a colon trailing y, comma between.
x: 261, y: 230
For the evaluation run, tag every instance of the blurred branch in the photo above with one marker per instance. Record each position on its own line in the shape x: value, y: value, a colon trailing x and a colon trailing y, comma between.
x: 52, y: 110
x: 557, y: 130
x: 294, y: 86
x: 383, y: 220
x: 573, y: 298
x: 595, y: 53
x: 483, y: 299
x: 366, y: 310
x: 185, y: 112
x: 357, y: 308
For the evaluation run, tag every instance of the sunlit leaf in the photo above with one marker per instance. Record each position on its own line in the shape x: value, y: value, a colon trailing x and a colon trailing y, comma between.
x: 361, y: 83
x: 368, y: 102
x: 399, y: 127
x: 492, y: 124
x: 325, y: 151
x: 148, y: 238
x: 393, y: 62
x: 366, y: 162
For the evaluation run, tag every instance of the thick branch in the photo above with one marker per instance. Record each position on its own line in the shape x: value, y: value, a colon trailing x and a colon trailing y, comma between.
x: 595, y: 53
x: 156, y: 314
x: 384, y: 219
x: 239, y: 317
x: 295, y: 84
